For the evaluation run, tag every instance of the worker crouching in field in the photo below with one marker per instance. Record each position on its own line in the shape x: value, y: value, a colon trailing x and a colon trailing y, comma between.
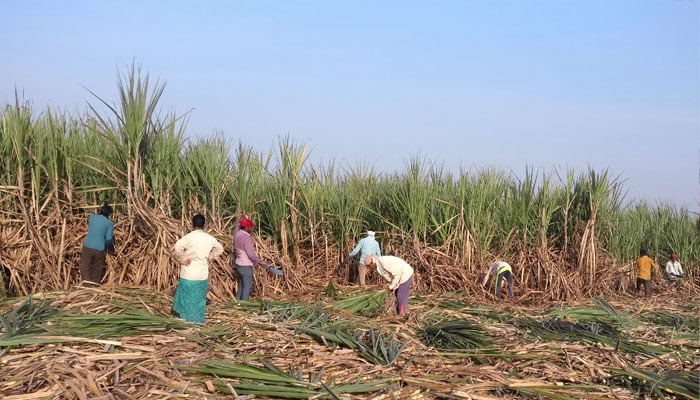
x: 398, y: 273
x: 503, y: 272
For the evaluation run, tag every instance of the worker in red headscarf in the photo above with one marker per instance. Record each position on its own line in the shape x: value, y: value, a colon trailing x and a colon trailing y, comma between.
x: 674, y: 272
x: 246, y: 257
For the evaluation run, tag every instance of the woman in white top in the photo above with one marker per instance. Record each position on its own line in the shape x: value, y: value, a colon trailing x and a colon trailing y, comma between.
x: 193, y: 251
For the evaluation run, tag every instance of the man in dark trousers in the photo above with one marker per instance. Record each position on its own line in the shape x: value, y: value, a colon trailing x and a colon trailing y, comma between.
x: 502, y: 271
x: 98, y: 243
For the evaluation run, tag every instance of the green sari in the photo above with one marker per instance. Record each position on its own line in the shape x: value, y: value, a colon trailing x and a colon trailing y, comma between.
x: 190, y: 300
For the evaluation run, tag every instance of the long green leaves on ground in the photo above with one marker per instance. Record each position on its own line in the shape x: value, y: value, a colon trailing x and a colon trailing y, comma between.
x: 316, y: 349
x: 461, y: 334
x: 25, y: 319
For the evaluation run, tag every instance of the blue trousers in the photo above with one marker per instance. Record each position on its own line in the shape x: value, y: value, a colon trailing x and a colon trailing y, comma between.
x: 245, y: 281
x: 507, y: 275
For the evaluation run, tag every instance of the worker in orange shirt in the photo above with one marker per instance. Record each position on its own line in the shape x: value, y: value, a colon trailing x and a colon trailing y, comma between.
x: 646, y: 270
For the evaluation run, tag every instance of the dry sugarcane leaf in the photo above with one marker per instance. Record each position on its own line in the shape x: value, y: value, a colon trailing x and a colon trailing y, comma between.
x: 31, y: 396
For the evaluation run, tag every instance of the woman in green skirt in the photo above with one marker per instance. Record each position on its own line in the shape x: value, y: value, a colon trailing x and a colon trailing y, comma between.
x: 193, y: 252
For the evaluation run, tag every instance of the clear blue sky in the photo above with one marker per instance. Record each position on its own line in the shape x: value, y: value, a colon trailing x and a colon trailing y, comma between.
x: 472, y: 83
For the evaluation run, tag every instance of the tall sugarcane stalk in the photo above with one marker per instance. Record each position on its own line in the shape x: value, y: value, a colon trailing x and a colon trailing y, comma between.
x: 58, y: 167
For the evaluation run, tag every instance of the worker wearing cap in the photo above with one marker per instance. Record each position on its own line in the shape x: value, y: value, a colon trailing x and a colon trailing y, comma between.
x: 366, y: 246
x: 502, y: 271
x: 674, y: 272
x: 246, y: 257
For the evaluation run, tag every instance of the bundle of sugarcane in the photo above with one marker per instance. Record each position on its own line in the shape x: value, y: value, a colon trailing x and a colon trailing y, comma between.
x: 271, y: 381
x: 27, y: 318
x: 383, y: 350
x: 367, y: 304
x: 676, y: 383
x: 458, y: 334
x: 675, y: 321
x: 372, y: 345
x: 590, y: 332
x: 389, y: 304
x: 602, y: 313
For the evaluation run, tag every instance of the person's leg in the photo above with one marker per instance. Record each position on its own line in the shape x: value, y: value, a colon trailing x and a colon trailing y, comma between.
x: 638, y: 286
x: 361, y: 273
x: 239, y: 281
x: 201, y: 301
x: 178, y: 302
x: 509, y: 278
x: 245, y: 281
x: 91, y: 263
x: 99, y: 264
x: 85, y: 261
x: 499, y: 283
x: 402, y: 293
x: 647, y: 287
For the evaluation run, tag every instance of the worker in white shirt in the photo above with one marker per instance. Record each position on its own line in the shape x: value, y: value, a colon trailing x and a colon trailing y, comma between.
x: 502, y: 271
x: 398, y: 273
x: 193, y: 252
x: 674, y: 272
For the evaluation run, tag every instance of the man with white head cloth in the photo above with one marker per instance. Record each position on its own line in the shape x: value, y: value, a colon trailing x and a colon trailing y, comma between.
x: 366, y: 246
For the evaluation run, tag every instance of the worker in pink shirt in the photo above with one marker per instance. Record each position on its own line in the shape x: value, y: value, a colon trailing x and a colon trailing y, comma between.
x: 246, y: 257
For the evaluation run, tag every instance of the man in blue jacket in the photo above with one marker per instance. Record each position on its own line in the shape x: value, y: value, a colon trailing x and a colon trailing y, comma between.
x: 98, y: 243
x: 366, y: 246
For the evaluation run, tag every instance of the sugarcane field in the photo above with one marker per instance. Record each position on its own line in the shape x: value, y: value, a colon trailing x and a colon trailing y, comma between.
x: 573, y: 322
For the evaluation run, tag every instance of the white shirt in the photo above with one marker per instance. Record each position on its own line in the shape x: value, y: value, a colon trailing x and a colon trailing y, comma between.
x: 674, y: 268
x: 395, y: 270
x: 197, y: 246
x: 494, y: 268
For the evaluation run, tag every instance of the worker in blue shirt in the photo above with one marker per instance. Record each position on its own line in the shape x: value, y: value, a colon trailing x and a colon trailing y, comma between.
x: 98, y: 243
x: 366, y: 246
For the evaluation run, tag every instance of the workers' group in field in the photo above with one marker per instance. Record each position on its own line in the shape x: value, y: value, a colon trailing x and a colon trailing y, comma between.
x: 194, y: 250
x: 647, y: 270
